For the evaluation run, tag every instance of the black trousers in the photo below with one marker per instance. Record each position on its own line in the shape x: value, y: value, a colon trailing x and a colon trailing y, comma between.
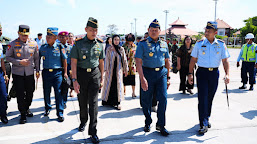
x: 24, y: 87
x: 88, y: 97
x: 183, y: 73
x: 248, y: 67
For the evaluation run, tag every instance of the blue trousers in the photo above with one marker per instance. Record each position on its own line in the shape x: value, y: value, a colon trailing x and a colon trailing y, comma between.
x: 3, y: 95
x: 207, y: 84
x: 65, y: 97
x: 248, y: 67
x: 157, y: 81
x: 53, y: 79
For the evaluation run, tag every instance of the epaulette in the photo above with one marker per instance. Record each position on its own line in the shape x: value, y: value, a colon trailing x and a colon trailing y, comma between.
x: 100, y: 40
x: 220, y: 40
x: 144, y: 39
x: 6, y: 38
x: 78, y: 39
x: 200, y: 40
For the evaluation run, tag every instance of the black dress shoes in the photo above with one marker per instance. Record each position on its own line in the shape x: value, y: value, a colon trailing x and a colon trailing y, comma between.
x: 4, y: 119
x: 209, y: 125
x: 147, y: 128
x: 60, y: 118
x: 29, y: 113
x: 46, y: 112
x: 242, y: 87
x: 82, y: 127
x: 95, y: 139
x: 203, y: 129
x: 162, y: 130
x: 23, y: 119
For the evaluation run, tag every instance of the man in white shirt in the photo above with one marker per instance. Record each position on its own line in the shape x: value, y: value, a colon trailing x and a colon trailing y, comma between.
x: 39, y: 40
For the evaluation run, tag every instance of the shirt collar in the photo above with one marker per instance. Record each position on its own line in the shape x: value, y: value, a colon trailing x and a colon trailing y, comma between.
x: 86, y: 39
x: 206, y: 41
x: 151, y: 40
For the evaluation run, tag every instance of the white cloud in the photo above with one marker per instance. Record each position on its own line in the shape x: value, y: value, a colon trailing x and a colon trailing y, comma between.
x: 72, y: 3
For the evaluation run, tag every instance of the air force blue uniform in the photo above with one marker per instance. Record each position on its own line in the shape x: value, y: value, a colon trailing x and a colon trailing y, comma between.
x: 209, y: 57
x: 153, y: 55
x: 52, y: 74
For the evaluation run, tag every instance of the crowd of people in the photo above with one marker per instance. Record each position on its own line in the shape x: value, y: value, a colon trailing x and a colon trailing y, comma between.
x: 85, y: 66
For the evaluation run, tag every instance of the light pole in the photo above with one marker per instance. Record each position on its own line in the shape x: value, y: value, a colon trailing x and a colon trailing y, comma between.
x: 215, y: 9
x: 166, y: 11
x: 135, y: 27
x: 131, y: 27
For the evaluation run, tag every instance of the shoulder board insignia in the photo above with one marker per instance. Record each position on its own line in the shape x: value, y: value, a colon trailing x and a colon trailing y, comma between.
x: 100, y: 40
x: 200, y: 40
x: 221, y: 40
x: 78, y: 39
x: 144, y: 39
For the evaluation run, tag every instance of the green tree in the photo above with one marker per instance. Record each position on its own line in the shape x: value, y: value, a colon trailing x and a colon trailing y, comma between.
x: 249, y: 27
x: 112, y: 29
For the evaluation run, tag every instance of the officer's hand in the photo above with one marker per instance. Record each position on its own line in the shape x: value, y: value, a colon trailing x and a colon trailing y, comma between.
x: 144, y: 84
x: 190, y: 79
x: 126, y: 74
x: 237, y: 64
x: 37, y: 75
x: 226, y: 79
x: 178, y: 68
x: 25, y: 62
x: 65, y: 76
x: 168, y: 84
x: 6, y: 79
x: 76, y: 87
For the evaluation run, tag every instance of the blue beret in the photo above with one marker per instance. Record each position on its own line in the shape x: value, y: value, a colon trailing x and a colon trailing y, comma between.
x: 52, y: 31
x: 155, y: 24
x: 211, y: 25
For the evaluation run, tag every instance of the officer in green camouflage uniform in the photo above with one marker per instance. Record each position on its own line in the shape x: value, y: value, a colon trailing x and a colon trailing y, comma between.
x: 5, y: 41
x: 87, y: 67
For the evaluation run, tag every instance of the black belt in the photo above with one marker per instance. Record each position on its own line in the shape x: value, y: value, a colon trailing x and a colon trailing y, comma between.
x: 87, y: 69
x: 209, y: 69
x: 155, y: 69
x: 51, y: 70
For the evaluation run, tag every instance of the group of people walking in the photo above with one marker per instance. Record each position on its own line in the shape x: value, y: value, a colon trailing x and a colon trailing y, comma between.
x: 87, y: 67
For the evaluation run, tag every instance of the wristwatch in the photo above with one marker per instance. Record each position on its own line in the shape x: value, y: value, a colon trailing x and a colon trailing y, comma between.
x: 73, y: 80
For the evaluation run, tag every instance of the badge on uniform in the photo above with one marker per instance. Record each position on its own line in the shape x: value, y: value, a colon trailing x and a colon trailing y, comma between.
x: 150, y: 54
x: 162, y: 44
x: 17, y: 50
x: 31, y: 54
x: 203, y: 52
x: 84, y: 57
x: 43, y: 57
x: 217, y: 52
x: 18, y: 55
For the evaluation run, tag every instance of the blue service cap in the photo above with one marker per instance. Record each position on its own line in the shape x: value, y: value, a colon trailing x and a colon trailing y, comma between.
x: 52, y: 31
x: 211, y: 25
x: 155, y: 24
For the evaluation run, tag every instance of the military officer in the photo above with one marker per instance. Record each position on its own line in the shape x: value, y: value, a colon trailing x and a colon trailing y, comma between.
x: 249, y: 59
x: 87, y: 67
x: 23, y: 54
x: 3, y: 93
x: 208, y: 53
x: 152, y: 61
x: 5, y: 41
x: 54, y: 64
x: 63, y: 37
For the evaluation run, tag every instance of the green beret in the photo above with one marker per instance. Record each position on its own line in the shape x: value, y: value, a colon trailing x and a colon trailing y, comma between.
x: 92, y: 22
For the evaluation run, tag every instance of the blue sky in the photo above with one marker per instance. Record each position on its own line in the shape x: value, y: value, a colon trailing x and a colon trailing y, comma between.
x: 72, y: 15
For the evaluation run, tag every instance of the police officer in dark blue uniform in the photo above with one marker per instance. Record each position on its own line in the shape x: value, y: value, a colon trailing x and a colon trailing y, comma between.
x: 54, y: 63
x: 63, y: 37
x: 152, y: 61
x: 208, y: 53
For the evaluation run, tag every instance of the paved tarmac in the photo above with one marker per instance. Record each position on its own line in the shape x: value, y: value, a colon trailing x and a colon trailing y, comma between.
x: 234, y: 125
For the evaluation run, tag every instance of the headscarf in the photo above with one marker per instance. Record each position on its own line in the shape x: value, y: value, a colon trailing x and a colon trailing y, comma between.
x: 117, y: 47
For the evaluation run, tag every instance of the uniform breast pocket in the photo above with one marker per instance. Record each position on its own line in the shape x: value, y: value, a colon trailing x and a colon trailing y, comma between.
x: 163, y: 51
x: 56, y: 53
